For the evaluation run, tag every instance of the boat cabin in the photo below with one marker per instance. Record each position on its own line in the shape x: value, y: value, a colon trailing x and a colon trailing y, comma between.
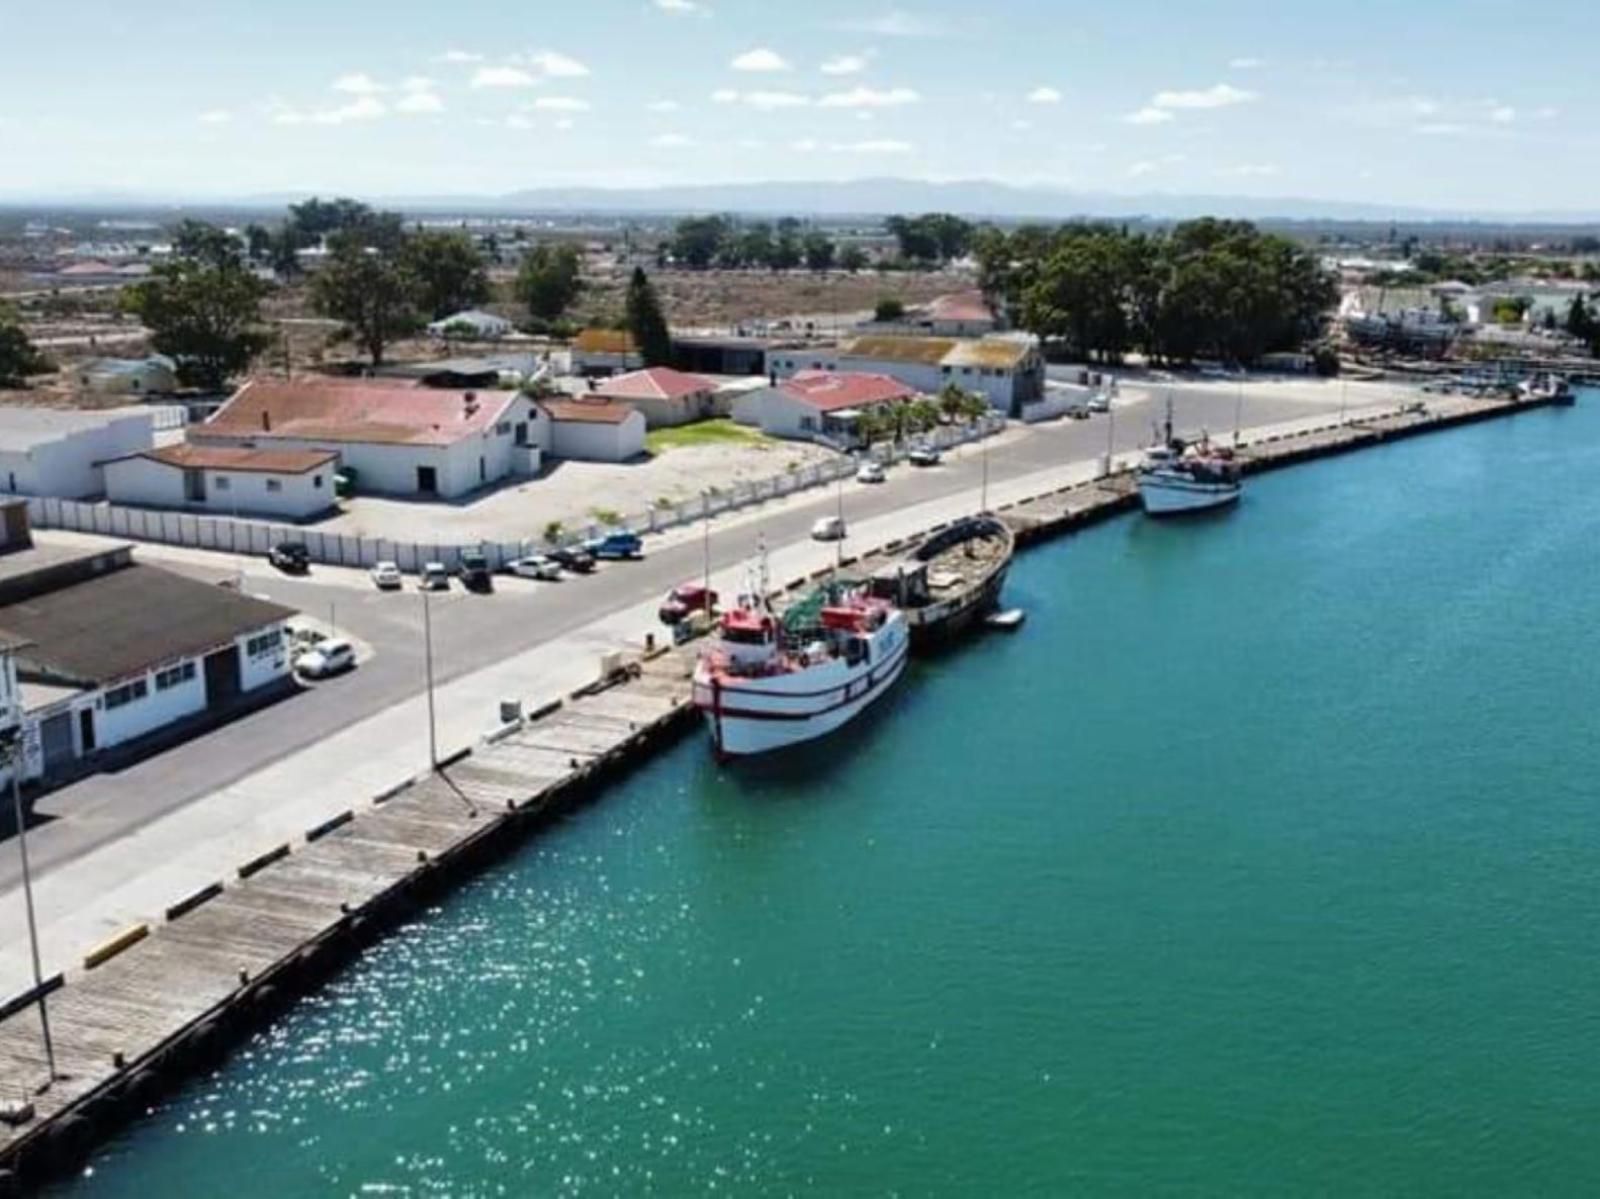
x: 904, y: 584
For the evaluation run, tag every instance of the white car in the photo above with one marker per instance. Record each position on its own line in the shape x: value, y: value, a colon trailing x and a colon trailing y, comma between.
x: 870, y: 472
x: 434, y: 577
x: 386, y: 575
x: 1099, y: 402
x: 535, y: 566
x: 829, y: 528
x: 326, y: 658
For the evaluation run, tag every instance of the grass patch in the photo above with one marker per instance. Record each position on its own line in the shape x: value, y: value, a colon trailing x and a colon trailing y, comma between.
x: 721, y: 431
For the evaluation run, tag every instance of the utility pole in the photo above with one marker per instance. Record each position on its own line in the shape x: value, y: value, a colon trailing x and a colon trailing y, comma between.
x: 15, y: 753
x: 984, y: 503
x: 427, y: 645
x: 705, y: 513
x: 838, y: 548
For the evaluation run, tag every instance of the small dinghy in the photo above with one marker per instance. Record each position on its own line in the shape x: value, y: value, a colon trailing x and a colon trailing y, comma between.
x: 1009, y: 620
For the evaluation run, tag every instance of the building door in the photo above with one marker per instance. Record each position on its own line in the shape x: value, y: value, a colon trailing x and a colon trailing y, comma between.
x: 427, y: 480
x: 483, y: 471
x: 521, y: 434
x: 86, y: 730
x: 55, y: 740
x: 222, y: 677
x: 194, y: 486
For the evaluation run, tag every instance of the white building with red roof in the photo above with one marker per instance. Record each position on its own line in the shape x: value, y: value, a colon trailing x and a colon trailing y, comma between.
x: 398, y: 440
x: 664, y: 396
x: 225, y: 480
x: 817, y: 404
x: 593, y: 430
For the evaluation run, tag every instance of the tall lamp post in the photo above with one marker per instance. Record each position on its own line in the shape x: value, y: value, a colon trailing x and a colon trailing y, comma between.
x: 13, y: 753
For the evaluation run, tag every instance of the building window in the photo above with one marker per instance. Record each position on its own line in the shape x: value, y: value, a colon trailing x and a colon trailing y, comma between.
x: 274, y: 484
x: 172, y: 676
x: 316, y: 481
x: 502, y: 428
x: 263, y: 643
x: 944, y: 370
x: 222, y: 482
x: 127, y: 694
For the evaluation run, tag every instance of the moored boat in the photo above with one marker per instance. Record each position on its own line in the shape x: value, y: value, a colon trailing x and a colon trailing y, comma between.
x: 766, y: 682
x: 1548, y: 387
x: 1177, y: 477
x: 951, y: 580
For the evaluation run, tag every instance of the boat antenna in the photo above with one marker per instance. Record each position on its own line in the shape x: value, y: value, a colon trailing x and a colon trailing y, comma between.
x: 763, y: 568
x: 1169, y: 417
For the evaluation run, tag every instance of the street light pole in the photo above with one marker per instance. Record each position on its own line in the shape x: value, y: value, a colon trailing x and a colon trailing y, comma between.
x: 14, y: 755
x: 984, y: 503
x: 427, y: 644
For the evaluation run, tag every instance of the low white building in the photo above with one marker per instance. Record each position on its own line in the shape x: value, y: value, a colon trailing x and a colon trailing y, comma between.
x: 665, y: 396
x: 58, y: 452
x: 1006, y: 369
x: 818, y: 404
x: 101, y: 651
x: 605, y: 352
x: 155, y: 375
x: 473, y: 325
x: 594, y: 430
x: 226, y: 480
x: 398, y: 440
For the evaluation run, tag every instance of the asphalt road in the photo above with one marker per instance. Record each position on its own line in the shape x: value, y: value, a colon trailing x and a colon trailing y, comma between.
x: 471, y: 632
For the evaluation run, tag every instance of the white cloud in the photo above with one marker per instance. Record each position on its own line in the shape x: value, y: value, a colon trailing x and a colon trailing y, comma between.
x: 418, y: 102
x: 557, y: 66
x: 1020, y: 124
x: 358, y: 84
x: 1441, y: 129
x: 1503, y: 114
x: 561, y: 104
x: 1244, y: 64
x: 845, y: 64
x: 682, y: 7
x: 417, y: 83
x: 671, y: 141
x: 873, y: 147
x: 459, y: 56
x: 502, y: 77
x: 362, y: 108
x: 1223, y: 95
x: 760, y: 59
x: 1547, y: 113
x: 1044, y: 95
x: 217, y: 116
x: 663, y: 106
x: 517, y: 121
x: 770, y: 100
x: 564, y: 123
x: 1423, y: 106
x: 1250, y: 170
x: 751, y: 143
x: 1140, y: 169
x: 724, y: 95
x: 896, y: 23
x: 866, y: 97
x: 1148, y: 116
x: 805, y: 145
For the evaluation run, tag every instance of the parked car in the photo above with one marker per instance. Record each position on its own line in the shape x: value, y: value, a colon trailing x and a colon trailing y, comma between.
x: 829, y: 528
x: 386, y: 575
x: 923, y: 455
x: 433, y: 577
x: 684, y: 599
x: 621, y: 544
x: 571, y: 557
x: 870, y: 472
x: 1099, y: 402
x: 1079, y: 412
x: 474, y: 571
x: 536, y: 566
x: 291, y: 557
x: 327, y: 657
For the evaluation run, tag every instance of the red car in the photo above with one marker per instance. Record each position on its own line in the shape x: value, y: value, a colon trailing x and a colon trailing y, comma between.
x: 684, y: 599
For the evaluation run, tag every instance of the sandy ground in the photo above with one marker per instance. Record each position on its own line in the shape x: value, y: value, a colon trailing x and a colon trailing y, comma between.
x: 573, y: 493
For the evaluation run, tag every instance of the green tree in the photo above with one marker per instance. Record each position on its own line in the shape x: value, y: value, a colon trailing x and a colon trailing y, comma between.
x: 786, y: 250
x: 819, y: 252
x: 853, y: 259
x: 697, y: 241
x: 203, y: 308
x: 370, y: 290
x: 549, y: 280
x: 932, y: 237
x: 956, y: 403
x: 646, y: 321
x: 449, y: 272
x: 754, y: 246
x: 19, y: 357
x: 889, y: 309
x: 1580, y: 321
x: 258, y: 242
x: 315, y: 219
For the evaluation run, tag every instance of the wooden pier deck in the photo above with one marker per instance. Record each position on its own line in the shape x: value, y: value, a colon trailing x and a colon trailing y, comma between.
x: 164, y: 1001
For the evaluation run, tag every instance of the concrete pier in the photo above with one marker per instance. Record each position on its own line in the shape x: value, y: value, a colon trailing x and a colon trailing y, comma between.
x: 157, y: 1002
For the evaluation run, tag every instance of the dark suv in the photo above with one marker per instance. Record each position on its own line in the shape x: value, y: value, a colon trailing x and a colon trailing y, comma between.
x: 291, y: 557
x: 570, y: 557
x: 474, y: 571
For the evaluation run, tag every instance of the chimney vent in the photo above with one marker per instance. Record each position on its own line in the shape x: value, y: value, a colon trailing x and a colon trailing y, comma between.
x: 266, y: 421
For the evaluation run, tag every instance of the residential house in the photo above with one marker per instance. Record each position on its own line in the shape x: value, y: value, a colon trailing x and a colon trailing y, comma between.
x: 663, y: 395
x: 1006, y: 369
x: 594, y: 430
x: 819, y: 405
x: 58, y: 451
x: 473, y: 325
x: 605, y: 352
x: 226, y: 480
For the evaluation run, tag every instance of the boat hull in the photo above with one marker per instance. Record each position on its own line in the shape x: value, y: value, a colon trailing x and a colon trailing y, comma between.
x: 1174, y: 497
x: 940, y: 623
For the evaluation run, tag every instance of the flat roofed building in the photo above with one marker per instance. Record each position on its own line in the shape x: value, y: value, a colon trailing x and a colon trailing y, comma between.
x: 605, y: 352
x: 227, y: 480
x: 58, y: 451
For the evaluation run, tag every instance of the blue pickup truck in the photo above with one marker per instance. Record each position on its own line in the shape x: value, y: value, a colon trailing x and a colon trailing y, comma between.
x: 621, y: 544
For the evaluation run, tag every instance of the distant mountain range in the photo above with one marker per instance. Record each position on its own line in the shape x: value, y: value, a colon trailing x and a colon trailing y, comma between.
x: 869, y: 197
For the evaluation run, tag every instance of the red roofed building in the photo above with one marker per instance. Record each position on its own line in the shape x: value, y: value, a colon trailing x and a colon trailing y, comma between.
x: 963, y: 314
x: 398, y: 440
x: 815, y: 404
x: 593, y: 430
x: 663, y: 395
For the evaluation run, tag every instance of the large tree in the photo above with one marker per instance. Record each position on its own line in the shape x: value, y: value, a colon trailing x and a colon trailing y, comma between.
x: 370, y: 289
x: 203, y: 307
x: 449, y: 272
x: 646, y: 321
x: 819, y: 252
x: 697, y: 241
x: 549, y: 280
x: 19, y: 358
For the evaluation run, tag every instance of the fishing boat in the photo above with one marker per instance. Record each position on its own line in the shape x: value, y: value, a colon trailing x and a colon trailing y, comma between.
x: 951, y: 580
x: 1177, y: 477
x: 1550, y: 388
x: 767, y: 681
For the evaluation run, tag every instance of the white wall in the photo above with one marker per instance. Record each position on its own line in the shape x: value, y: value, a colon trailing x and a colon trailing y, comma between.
x: 152, y: 484
x: 113, y: 726
x: 271, y: 664
x: 591, y: 441
x: 66, y: 466
x: 776, y: 412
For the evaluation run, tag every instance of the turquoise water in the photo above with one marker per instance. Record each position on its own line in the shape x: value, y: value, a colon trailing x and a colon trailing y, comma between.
x: 1262, y: 861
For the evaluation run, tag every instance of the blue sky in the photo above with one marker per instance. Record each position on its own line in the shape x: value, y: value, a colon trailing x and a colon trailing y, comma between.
x: 1450, y: 103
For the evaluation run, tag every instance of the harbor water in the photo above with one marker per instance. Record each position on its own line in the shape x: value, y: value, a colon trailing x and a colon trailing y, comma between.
x: 1262, y: 860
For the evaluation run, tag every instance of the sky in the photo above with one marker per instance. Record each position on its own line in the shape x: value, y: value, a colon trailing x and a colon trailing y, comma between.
x: 1461, y: 104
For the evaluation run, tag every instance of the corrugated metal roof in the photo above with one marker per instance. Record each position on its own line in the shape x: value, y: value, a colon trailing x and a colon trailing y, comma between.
x: 605, y: 341
x: 355, y: 412
x: 227, y: 457
x: 657, y: 383
x: 593, y: 412
x: 926, y: 351
x: 830, y: 391
x: 993, y: 353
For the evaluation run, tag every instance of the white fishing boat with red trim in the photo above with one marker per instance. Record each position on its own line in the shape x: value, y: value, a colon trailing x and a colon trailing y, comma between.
x: 767, y: 681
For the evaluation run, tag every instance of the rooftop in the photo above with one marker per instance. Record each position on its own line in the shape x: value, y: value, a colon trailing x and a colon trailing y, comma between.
x: 656, y: 383
x: 320, y: 410
x: 226, y: 457
x: 960, y: 306
x: 990, y: 352
x: 23, y: 428
x: 605, y: 341
x: 926, y: 351
x: 830, y: 391
x: 129, y: 620
x: 595, y: 412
